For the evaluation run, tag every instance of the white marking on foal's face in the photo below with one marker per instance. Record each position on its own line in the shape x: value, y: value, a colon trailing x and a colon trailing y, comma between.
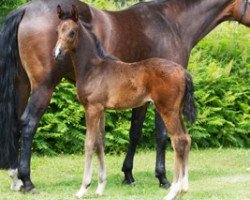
x: 57, y: 49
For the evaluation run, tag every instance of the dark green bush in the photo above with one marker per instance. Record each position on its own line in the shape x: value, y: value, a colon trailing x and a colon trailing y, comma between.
x: 220, y: 66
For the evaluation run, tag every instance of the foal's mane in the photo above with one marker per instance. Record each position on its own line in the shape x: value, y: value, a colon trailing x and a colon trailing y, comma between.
x: 99, y: 48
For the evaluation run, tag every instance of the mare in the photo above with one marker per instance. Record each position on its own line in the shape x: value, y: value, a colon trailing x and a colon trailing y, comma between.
x: 105, y: 83
x: 29, y: 74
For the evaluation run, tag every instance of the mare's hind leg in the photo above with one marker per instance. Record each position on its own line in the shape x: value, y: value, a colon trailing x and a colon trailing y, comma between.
x: 102, y: 177
x: 138, y: 117
x: 181, y: 142
x: 161, y: 140
x: 22, y: 96
x: 38, y: 102
x: 93, y: 116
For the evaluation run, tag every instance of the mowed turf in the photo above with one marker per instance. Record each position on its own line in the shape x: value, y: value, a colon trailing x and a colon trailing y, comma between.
x: 215, y: 174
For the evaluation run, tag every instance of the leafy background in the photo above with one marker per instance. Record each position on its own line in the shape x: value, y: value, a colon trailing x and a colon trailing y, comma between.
x: 220, y: 66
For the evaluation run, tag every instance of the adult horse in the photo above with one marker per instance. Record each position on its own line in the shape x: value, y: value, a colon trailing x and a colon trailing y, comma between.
x: 164, y: 29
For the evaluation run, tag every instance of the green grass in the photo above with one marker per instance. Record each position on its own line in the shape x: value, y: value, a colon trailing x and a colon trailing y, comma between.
x: 214, y: 175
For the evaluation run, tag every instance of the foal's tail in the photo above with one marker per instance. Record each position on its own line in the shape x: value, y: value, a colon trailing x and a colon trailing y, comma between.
x: 9, y: 62
x: 188, y: 102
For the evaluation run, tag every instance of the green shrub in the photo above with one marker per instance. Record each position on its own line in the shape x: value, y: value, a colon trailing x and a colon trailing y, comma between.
x: 221, y: 69
x: 220, y: 66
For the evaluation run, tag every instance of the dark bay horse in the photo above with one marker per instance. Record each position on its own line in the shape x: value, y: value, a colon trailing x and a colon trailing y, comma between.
x: 167, y: 29
x: 105, y: 83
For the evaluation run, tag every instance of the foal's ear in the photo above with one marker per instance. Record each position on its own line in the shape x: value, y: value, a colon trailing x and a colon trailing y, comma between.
x: 74, y: 13
x: 59, y: 12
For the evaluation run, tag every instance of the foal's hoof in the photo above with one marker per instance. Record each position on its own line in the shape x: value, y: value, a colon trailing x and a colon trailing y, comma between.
x: 166, y: 185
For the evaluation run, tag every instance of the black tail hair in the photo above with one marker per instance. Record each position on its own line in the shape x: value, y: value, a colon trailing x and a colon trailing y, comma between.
x: 189, y: 110
x: 9, y: 62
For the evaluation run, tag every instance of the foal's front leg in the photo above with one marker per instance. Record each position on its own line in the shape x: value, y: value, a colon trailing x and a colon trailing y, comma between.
x: 100, y: 154
x: 93, y: 114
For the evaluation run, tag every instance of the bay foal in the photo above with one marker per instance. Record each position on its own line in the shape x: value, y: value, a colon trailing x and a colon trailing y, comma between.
x: 105, y: 83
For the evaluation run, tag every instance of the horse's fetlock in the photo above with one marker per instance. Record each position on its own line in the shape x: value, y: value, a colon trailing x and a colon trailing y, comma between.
x: 160, y: 171
x: 23, y: 173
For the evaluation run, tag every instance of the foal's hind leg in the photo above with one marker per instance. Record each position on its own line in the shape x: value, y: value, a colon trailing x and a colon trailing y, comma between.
x: 100, y: 154
x: 93, y: 115
x: 181, y: 142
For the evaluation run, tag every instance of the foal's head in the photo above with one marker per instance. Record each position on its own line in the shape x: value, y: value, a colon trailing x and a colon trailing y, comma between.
x: 67, y: 31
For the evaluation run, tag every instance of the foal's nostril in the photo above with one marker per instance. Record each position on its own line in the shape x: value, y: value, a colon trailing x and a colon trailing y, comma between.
x: 59, y: 52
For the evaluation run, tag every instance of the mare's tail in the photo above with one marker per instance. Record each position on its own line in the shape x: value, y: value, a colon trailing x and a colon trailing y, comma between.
x: 189, y: 111
x: 9, y: 62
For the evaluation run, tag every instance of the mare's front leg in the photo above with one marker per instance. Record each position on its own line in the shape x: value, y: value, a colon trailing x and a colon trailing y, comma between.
x: 161, y: 140
x: 38, y: 102
x: 138, y: 117
x: 93, y: 116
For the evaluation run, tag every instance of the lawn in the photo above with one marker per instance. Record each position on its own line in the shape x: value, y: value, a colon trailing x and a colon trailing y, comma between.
x: 214, y: 175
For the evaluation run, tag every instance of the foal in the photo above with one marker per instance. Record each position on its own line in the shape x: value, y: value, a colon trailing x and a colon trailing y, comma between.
x: 105, y: 83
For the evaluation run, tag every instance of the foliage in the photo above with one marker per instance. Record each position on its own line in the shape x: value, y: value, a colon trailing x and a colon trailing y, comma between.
x: 8, y: 5
x: 221, y: 69
x: 220, y: 65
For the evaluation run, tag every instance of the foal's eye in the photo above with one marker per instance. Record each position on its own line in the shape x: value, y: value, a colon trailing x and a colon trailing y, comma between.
x: 72, y: 34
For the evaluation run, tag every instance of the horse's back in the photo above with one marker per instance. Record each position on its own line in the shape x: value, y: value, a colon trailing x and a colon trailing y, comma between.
x: 141, y: 32
x: 160, y: 71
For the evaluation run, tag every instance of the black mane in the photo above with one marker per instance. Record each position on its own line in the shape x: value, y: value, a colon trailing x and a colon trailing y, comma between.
x: 100, y: 50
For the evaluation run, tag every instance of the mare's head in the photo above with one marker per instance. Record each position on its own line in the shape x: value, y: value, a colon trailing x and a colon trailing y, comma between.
x: 67, y: 32
x: 240, y: 10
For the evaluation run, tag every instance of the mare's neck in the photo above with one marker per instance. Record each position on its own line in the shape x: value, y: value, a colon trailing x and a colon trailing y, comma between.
x: 197, y: 18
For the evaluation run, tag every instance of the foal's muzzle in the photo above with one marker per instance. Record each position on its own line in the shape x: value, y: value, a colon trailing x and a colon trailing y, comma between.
x: 59, y: 54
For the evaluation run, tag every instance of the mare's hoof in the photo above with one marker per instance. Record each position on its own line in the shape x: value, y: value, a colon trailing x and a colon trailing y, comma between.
x: 129, y: 182
x: 166, y: 185
x: 129, y: 179
x: 34, y: 191
x: 30, y: 190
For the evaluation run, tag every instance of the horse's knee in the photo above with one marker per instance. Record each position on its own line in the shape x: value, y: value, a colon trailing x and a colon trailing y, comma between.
x: 28, y: 124
x: 90, y: 146
x: 182, y: 144
x: 161, y: 140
